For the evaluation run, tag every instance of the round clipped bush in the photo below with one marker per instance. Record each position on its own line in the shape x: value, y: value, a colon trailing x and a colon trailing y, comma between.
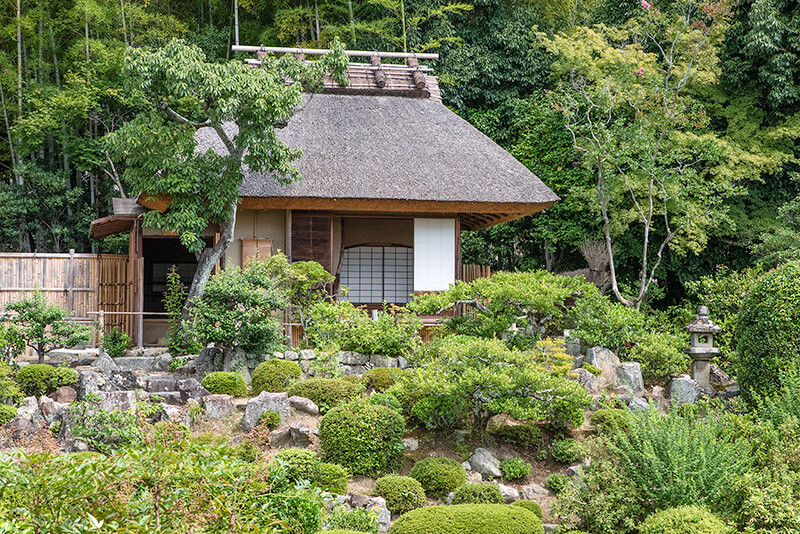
x: 300, y: 464
x: 610, y: 420
x: 768, y: 331
x: 339, y: 531
x: 364, y: 438
x: 331, y: 477
x: 468, y: 519
x: 385, y: 399
x: 7, y: 413
x: 515, y: 468
x: 222, y: 383
x: 439, y: 476
x: 275, y: 376
x: 525, y: 435
x: 325, y: 392
x: 684, y: 520
x: 481, y: 493
x: 379, y: 379
x: 402, y: 494
x: 36, y: 379
x: 64, y: 376
x: 533, y: 506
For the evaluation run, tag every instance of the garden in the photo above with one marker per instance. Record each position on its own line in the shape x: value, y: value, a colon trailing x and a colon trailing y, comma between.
x: 542, y: 406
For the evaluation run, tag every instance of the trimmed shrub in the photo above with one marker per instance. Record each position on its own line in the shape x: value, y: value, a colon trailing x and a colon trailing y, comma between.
x: 7, y: 413
x: 116, y: 342
x: 300, y: 464
x: 768, y: 331
x: 9, y: 389
x: 331, y: 477
x: 515, y: 468
x: 379, y: 379
x: 222, y: 383
x: 557, y: 482
x: 566, y: 451
x: 41, y: 379
x: 270, y: 418
x: 364, y: 438
x: 468, y: 519
x: 533, y: 506
x: 357, y: 520
x: 325, y: 392
x: 660, y: 356
x: 353, y: 379
x: 275, y: 376
x: 402, y: 494
x: 684, y: 520
x: 439, y: 476
x: 610, y: 420
x: 340, y: 531
x: 385, y: 399
x: 481, y: 493
x: 526, y: 435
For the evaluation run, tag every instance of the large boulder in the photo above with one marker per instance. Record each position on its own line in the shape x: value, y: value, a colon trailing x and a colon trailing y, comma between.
x: 88, y: 383
x: 218, y: 406
x: 160, y: 384
x: 237, y: 362
x: 347, y: 357
x: 509, y: 494
x: 485, y: 463
x: 190, y: 388
x: 684, y: 390
x: 531, y: 492
x: 208, y: 361
x: 302, y: 404
x: 104, y: 364
x: 123, y: 380
x: 177, y: 414
x: 117, y: 400
x: 30, y: 410
x: 629, y: 379
x: 276, y: 402
x: 162, y: 362
x: 718, y: 378
x: 606, y: 361
x: 22, y: 428
x: 51, y: 410
x: 586, y: 379
x: 64, y: 395
x: 376, y: 360
x: 295, y: 435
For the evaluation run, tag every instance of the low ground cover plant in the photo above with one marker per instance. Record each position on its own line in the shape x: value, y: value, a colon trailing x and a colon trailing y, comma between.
x: 222, y: 383
x: 468, y: 519
x: 439, y: 476
x: 515, y: 468
x: 478, y: 493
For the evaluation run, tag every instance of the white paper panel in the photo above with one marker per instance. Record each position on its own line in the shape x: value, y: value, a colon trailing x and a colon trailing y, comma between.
x: 434, y: 254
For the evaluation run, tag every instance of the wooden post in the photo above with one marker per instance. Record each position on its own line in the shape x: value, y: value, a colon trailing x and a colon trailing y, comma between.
x: 380, y: 77
x: 101, y: 333
x: 71, y: 281
x: 140, y: 306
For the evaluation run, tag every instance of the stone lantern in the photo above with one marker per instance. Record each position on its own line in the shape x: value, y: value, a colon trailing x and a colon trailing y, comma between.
x: 701, y: 347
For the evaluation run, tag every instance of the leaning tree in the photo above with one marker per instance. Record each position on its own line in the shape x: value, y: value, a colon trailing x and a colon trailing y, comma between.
x: 242, y: 105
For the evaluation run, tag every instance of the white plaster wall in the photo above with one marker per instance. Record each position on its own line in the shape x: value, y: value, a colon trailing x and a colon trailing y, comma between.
x: 434, y: 254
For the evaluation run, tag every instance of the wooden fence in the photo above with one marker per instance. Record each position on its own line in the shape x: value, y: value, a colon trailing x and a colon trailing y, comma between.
x: 82, y: 283
x: 471, y: 272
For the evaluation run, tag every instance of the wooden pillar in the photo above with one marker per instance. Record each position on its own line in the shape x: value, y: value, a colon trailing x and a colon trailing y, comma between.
x: 71, y: 281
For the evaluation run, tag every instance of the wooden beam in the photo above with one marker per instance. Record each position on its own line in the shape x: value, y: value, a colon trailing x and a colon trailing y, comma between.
x: 153, y: 202
x: 323, y: 51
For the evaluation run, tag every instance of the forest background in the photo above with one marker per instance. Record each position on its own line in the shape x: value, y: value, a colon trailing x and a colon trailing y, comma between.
x: 507, y: 66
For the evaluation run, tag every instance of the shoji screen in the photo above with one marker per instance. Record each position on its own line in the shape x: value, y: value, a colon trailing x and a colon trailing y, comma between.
x: 434, y: 254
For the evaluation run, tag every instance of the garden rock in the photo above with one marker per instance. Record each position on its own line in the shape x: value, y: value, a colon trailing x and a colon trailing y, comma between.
x: 376, y: 360
x: 88, y: 383
x: 189, y: 368
x: 30, y: 410
x: 124, y: 380
x: 218, y: 406
x: 353, y: 358
x: 574, y: 471
x: 485, y: 463
x: 638, y: 404
x: 449, y: 500
x: 550, y: 527
x: 291, y: 356
x: 177, y: 415
x: 51, y: 410
x: 208, y: 361
x: 533, y: 491
x: 307, y: 354
x: 509, y: 494
x: 718, y: 378
x: 161, y: 384
x: 410, y: 444
x: 169, y: 397
x: 22, y: 428
x: 499, y: 422
x: 117, y: 400
x: 629, y: 378
x: 606, y: 361
x: 136, y: 363
x: 238, y: 363
x: 302, y: 404
x: 354, y: 370
x: 684, y: 390
x: 277, y: 402
x: 105, y: 364
x: 402, y: 363
x: 473, y: 477
x: 161, y: 362
x: 586, y: 379
x: 190, y: 388
x: 731, y: 391
x: 64, y: 395
x: 295, y: 435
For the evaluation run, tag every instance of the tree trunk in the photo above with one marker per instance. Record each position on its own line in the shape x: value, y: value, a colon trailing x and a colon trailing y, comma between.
x: 208, y: 259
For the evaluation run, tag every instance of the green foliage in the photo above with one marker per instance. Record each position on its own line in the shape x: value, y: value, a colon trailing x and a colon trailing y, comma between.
x: 439, y: 476
x: 468, y: 519
x: 44, y: 326
x: 380, y: 378
x: 566, y: 451
x: 537, y: 302
x: 684, y: 520
x: 402, y: 494
x: 237, y: 310
x: 458, y: 375
x: 331, y: 478
x: 178, y: 335
x: 7, y: 413
x: 41, y: 379
x: 591, y: 368
x: 104, y: 430
x: 325, y: 392
x: 299, y: 464
x: 610, y: 420
x: 385, y: 399
x: 11, y: 345
x: 9, y: 389
x: 116, y: 342
x: 525, y: 435
x: 363, y: 438
x: 270, y: 418
x: 515, y: 468
x: 768, y: 332
x: 352, y: 521
x: 222, y: 383
x: 603, y: 323
x: 660, y: 356
x: 347, y: 327
x: 480, y: 493
x: 274, y: 376
x: 532, y: 506
x: 558, y: 482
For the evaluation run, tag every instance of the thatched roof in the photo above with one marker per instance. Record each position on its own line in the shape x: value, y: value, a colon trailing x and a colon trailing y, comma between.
x: 396, y: 148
